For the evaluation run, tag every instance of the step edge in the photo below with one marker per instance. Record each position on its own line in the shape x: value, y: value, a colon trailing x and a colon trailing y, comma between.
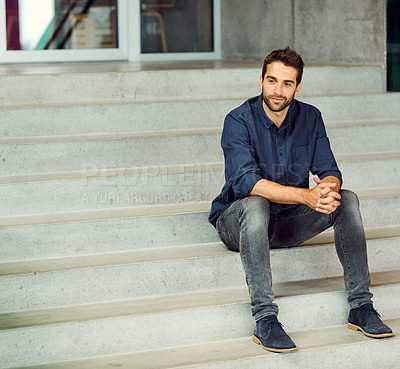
x: 169, y: 168
x: 106, y: 214
x: 113, y: 259
x: 112, y: 136
x: 178, y: 99
x: 162, y: 304
x: 232, y: 98
x: 157, y: 255
x: 371, y: 156
x: 148, y: 170
x: 219, y: 352
x: 41, y: 69
x: 159, y: 133
x: 149, y: 210
x: 372, y: 233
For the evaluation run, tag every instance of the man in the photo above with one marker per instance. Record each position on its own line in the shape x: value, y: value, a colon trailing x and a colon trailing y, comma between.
x: 270, y: 144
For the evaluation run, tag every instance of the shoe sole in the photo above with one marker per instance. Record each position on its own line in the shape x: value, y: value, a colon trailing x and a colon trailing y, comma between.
x: 258, y: 342
x: 354, y: 327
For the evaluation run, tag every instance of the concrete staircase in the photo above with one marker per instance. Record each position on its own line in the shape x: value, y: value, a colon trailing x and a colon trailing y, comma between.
x: 107, y: 258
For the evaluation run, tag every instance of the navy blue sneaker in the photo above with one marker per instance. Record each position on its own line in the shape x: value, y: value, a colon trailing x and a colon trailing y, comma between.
x: 367, y: 320
x: 270, y: 335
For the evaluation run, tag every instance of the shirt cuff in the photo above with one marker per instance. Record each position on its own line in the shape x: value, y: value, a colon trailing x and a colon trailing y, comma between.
x: 333, y: 173
x: 247, y: 183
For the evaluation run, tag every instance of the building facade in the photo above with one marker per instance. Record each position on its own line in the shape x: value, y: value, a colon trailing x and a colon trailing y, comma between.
x: 322, y: 31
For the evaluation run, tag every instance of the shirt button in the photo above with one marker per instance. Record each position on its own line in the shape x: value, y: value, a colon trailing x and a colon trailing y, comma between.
x: 280, y: 154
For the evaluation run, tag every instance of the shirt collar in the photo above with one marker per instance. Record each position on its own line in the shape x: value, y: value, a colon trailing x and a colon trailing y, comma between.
x: 261, y: 113
x: 268, y: 122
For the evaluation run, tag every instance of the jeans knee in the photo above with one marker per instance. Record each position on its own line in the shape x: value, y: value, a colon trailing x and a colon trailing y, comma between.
x: 255, y: 212
x: 349, y: 209
x: 349, y: 198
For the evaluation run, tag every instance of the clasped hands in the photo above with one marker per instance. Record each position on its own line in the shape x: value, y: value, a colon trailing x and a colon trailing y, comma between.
x: 323, y: 197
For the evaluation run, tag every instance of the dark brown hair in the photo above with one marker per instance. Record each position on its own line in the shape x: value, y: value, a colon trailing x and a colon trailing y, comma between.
x: 288, y: 57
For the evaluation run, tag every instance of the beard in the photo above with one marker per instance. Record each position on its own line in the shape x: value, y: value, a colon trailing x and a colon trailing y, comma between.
x: 275, y: 107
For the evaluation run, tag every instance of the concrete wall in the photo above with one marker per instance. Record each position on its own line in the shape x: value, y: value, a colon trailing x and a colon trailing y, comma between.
x: 250, y: 29
x: 320, y: 30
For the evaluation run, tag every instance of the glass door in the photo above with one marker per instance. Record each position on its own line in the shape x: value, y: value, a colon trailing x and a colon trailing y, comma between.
x: 63, y: 30
x: 179, y: 29
x: 92, y: 30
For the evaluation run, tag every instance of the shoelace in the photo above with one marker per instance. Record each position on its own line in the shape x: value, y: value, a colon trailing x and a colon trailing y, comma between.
x: 371, y: 310
x: 271, y: 323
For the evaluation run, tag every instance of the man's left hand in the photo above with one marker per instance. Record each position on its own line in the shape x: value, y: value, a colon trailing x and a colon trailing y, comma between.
x: 328, y: 201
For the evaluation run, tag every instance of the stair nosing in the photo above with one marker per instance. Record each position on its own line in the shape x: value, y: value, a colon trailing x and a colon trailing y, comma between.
x: 148, y: 170
x: 148, y: 210
x: 220, y: 352
x: 159, y: 133
x: 180, y: 301
x: 370, y: 156
x: 106, y: 214
x: 156, y: 255
x: 112, y: 136
x: 115, y: 67
x: 113, y: 259
x: 70, y: 104
x: 168, y: 168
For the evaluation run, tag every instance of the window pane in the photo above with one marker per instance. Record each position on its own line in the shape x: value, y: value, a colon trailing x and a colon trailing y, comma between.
x: 393, y: 45
x: 61, y: 24
x: 175, y: 26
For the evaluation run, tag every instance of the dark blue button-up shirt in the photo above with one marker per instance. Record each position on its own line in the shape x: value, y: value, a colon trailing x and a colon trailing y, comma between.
x: 255, y: 148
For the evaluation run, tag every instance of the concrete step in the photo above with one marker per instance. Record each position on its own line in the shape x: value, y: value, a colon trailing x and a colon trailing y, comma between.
x: 166, y: 185
x: 31, y: 89
x: 65, y: 123
x: 97, y: 155
x: 321, y: 348
x: 176, y: 224
x: 356, y: 107
x: 367, y: 171
x: 135, y: 233
x: 114, y: 235
x: 106, y: 236
x: 206, y: 172
x: 188, y: 205
x: 226, y: 314
x: 195, y: 148
x: 106, y: 246
x: 54, y: 315
x: 365, y: 139
x: 109, y: 276
x: 69, y: 122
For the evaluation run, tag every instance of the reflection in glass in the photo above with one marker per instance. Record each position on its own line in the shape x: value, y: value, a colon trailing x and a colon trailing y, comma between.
x: 61, y: 24
x: 172, y: 26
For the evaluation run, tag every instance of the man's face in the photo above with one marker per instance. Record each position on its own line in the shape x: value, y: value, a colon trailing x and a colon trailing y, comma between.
x: 279, y: 86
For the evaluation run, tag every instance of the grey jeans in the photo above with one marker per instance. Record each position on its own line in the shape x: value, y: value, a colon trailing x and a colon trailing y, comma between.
x: 248, y: 227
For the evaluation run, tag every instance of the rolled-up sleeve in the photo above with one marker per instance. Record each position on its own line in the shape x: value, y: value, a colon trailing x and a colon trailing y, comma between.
x: 241, y: 169
x: 324, y: 163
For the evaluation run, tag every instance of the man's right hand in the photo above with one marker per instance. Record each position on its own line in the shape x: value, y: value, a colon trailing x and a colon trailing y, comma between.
x: 323, y: 198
